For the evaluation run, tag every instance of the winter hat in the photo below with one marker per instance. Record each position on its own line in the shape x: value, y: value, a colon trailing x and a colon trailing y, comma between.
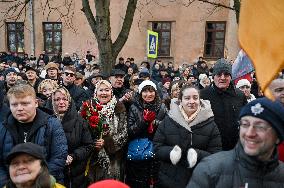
x: 202, y: 76
x: 51, y: 65
x: 28, y: 148
x: 109, y: 184
x: 144, y: 73
x: 270, y: 111
x: 167, y: 79
x: 116, y: 72
x: 222, y: 66
x: 9, y: 70
x: 146, y: 83
x: 243, y: 82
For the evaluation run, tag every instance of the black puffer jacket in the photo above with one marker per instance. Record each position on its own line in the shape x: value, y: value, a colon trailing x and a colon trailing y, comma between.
x: 201, y: 134
x: 79, y: 146
x: 137, y: 127
x: 141, y: 173
x: 226, y: 106
x: 236, y: 169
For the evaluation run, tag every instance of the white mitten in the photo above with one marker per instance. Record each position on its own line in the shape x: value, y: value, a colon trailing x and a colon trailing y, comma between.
x: 175, y: 155
x: 191, y: 157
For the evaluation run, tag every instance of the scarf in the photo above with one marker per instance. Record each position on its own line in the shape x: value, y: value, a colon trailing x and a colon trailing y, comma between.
x: 190, y: 118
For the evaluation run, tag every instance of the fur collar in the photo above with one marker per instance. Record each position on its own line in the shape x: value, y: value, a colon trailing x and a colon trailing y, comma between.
x: 204, y: 114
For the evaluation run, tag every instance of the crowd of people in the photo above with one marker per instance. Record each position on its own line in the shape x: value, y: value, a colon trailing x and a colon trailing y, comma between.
x: 65, y: 123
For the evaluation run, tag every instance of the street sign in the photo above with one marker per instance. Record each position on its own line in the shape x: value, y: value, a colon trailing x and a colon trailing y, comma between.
x: 152, y: 44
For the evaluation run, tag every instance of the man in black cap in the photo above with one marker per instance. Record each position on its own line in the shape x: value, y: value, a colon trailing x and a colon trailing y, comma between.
x: 117, y: 82
x: 254, y: 161
x: 11, y: 77
x: 226, y: 102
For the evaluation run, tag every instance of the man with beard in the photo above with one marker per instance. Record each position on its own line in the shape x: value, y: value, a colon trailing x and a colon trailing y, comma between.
x: 117, y: 80
x: 78, y: 94
x: 226, y: 102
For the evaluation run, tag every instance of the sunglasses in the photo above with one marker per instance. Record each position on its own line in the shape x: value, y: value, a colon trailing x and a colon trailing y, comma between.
x: 69, y: 74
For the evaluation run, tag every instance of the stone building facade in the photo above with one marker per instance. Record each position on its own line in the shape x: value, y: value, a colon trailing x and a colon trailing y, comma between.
x: 186, y: 32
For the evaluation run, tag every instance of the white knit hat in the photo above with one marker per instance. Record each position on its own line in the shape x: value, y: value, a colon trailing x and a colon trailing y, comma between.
x: 146, y: 83
x: 202, y: 76
x: 243, y: 82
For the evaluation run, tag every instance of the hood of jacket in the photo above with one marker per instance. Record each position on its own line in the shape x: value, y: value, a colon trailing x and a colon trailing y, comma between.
x: 204, y: 114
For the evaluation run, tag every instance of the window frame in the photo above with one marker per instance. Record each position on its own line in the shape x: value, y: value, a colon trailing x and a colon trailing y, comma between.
x: 53, y: 43
x: 17, y: 30
x: 213, y: 43
x: 160, y: 31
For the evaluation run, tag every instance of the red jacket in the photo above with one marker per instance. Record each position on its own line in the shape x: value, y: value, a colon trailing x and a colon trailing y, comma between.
x: 281, y: 151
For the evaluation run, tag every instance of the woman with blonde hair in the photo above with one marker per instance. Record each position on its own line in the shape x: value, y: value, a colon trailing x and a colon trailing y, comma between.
x: 79, y: 140
x: 45, y: 89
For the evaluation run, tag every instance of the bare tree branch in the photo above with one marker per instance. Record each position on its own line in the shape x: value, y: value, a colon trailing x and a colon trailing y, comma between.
x: 217, y: 4
x: 124, y: 32
x: 90, y: 17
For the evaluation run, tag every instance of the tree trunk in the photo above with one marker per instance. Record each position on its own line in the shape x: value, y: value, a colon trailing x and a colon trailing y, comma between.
x: 100, y: 25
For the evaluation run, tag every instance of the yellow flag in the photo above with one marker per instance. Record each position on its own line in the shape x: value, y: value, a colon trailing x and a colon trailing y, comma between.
x: 261, y: 35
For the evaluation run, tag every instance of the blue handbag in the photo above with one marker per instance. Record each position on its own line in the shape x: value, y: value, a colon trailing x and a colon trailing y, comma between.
x: 140, y: 149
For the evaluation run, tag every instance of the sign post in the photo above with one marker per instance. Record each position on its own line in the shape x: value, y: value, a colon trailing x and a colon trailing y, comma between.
x: 152, y: 44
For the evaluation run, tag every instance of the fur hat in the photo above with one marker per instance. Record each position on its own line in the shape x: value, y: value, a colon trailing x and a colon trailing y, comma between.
x: 222, y: 66
x: 146, y: 83
x: 270, y: 111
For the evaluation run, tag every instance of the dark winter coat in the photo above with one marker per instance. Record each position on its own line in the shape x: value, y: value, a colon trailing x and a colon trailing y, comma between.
x: 37, y: 82
x: 4, y: 109
x: 137, y: 127
x: 119, y: 93
x: 202, y: 70
x: 201, y: 134
x: 122, y: 67
x: 80, y: 143
x: 140, y: 173
x: 226, y: 106
x: 236, y: 169
x: 47, y: 132
x: 78, y: 94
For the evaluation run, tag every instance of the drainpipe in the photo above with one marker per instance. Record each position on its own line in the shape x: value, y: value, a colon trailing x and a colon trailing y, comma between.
x: 32, y: 30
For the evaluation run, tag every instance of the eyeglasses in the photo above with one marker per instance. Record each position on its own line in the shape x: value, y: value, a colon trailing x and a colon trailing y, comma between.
x: 68, y: 73
x: 257, y: 128
x: 60, y: 99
